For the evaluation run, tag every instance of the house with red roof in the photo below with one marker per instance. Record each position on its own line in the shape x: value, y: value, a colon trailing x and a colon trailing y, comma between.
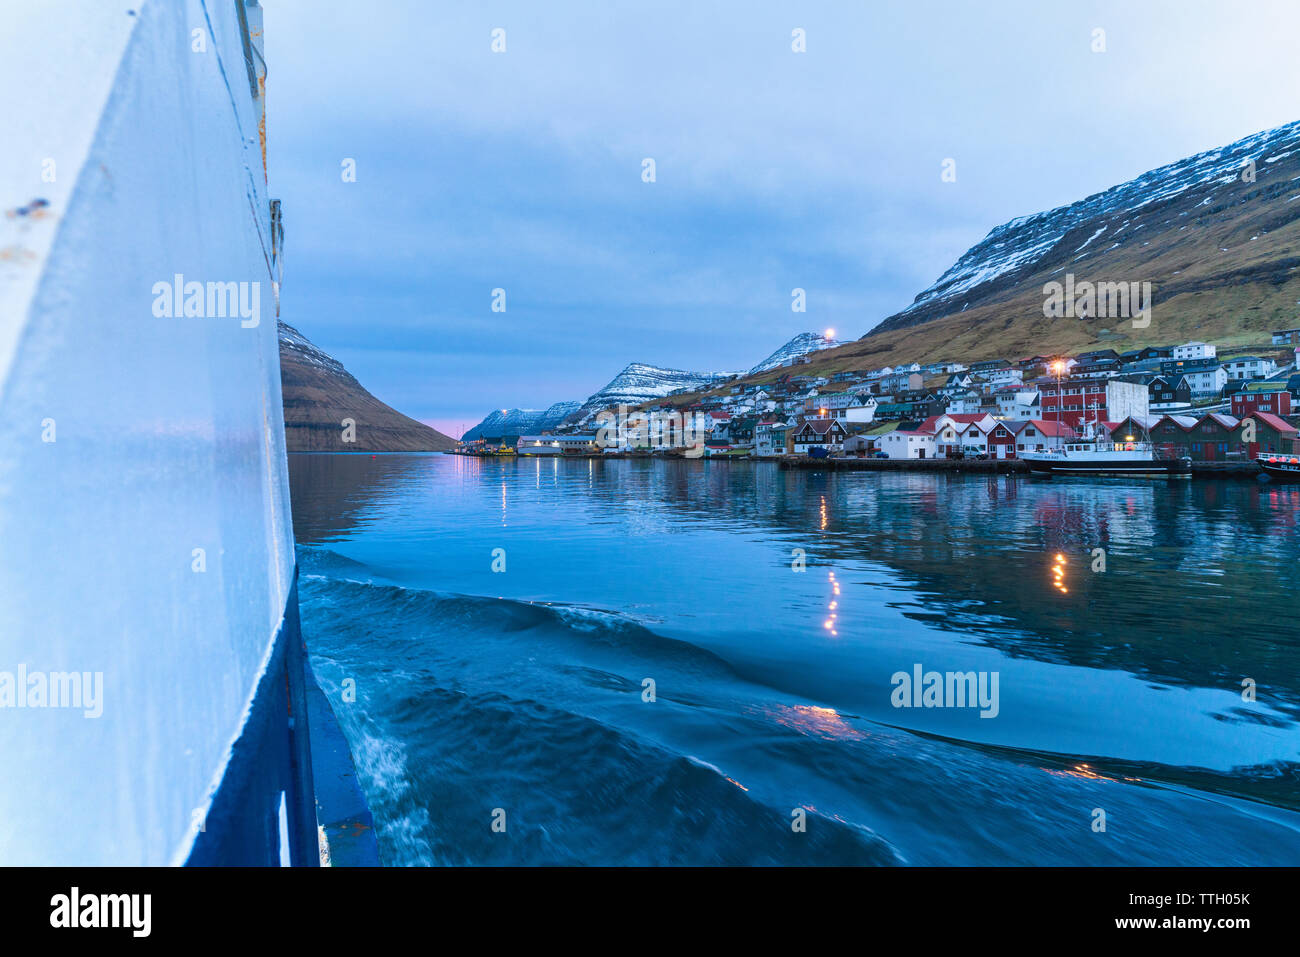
x: 1216, y: 437
x: 1043, y: 435
x: 949, y: 428
x: 974, y: 436
x: 1132, y: 431
x: 1270, y: 433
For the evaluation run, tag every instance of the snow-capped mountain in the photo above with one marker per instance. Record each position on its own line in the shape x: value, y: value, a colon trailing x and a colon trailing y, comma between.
x: 636, y: 384
x: 502, y: 422
x: 303, y: 350
x: 642, y: 383
x: 1121, y: 229
x: 800, y: 345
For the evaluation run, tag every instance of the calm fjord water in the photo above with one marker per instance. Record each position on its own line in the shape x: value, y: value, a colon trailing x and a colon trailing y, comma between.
x: 1117, y: 690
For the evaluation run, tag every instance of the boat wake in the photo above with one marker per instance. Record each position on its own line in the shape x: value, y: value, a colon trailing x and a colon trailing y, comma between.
x: 490, y: 731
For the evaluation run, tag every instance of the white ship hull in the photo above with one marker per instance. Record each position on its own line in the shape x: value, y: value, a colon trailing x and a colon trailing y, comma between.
x: 144, y: 500
x: 1105, y: 463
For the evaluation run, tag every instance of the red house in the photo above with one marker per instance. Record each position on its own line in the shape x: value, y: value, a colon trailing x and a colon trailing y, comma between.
x: 1083, y: 399
x: 1002, y: 440
x: 1271, y: 397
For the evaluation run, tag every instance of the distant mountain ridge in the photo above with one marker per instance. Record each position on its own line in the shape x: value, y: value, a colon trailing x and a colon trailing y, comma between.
x: 639, y: 383
x: 521, y: 421
x: 636, y: 384
x: 319, y: 394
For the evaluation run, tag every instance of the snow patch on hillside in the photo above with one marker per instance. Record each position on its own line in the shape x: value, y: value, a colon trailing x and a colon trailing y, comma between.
x: 800, y: 345
x: 640, y: 383
x: 1023, y: 241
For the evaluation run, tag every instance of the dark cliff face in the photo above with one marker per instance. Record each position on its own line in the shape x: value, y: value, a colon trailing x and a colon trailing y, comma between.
x: 319, y: 394
x: 1209, y: 222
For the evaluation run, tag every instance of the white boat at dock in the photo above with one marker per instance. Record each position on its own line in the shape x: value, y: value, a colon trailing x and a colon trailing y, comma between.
x: 1099, y: 459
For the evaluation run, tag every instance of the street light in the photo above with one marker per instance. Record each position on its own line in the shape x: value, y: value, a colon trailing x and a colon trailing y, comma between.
x: 1058, y: 367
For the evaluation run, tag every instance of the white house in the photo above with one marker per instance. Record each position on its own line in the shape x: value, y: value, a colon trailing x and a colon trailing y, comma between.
x: 900, y: 380
x: 1019, y: 404
x: 571, y: 444
x: 769, y: 438
x: 965, y: 403
x: 1249, y: 367
x: 1042, y: 435
x: 1000, y: 377
x: 907, y: 445
x: 1195, y: 350
x: 1203, y: 382
x: 957, y: 382
x: 973, y: 439
x: 847, y: 406
x: 862, y: 411
x: 948, y: 430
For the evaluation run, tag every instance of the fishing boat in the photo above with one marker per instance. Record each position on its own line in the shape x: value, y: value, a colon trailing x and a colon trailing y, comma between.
x: 1279, y: 468
x: 1102, y: 459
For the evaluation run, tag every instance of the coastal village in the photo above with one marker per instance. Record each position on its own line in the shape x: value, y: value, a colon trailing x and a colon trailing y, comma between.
x: 1186, y: 399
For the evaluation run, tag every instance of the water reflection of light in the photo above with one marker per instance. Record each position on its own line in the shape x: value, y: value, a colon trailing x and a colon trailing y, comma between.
x: 831, y: 621
x: 1082, y: 770
x: 1058, y: 575
x: 823, y: 513
x: 811, y: 719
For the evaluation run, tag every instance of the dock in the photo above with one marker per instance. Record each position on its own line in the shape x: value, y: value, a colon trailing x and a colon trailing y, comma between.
x: 1247, y: 470
x: 974, y: 466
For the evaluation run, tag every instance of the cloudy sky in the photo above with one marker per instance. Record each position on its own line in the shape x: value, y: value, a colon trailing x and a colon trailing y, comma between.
x: 522, y: 170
